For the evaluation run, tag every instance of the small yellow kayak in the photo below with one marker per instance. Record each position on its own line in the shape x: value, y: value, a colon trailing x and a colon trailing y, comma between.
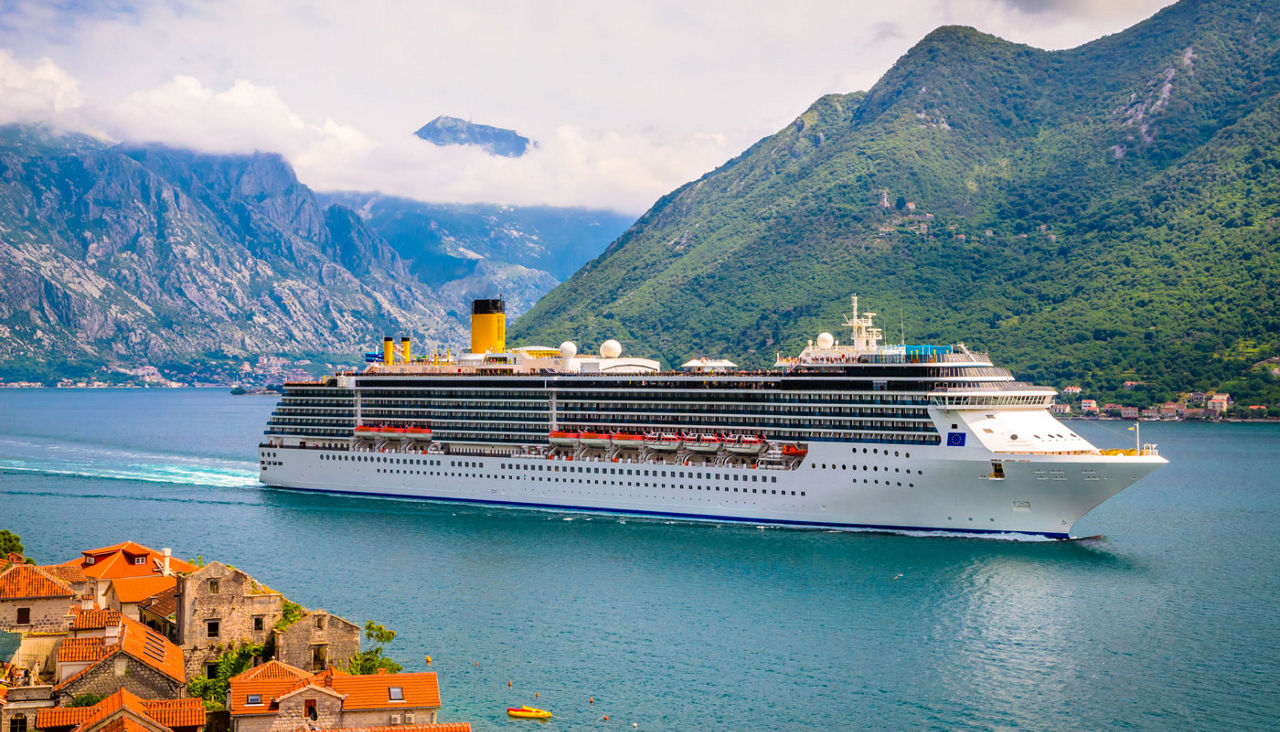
x: 528, y: 713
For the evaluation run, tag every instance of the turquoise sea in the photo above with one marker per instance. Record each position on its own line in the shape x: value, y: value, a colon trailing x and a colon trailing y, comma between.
x: 1169, y: 622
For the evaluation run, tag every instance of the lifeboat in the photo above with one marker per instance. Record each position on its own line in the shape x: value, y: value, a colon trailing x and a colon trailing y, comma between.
x: 528, y: 713
x: 744, y: 444
x: 703, y: 443
x: 594, y: 439
x: 418, y: 433
x: 626, y: 441
x: 364, y: 430
x: 565, y: 439
x: 794, y: 451
x: 665, y: 442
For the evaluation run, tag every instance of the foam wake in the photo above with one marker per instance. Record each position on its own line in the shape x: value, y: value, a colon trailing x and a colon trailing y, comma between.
x: 30, y: 455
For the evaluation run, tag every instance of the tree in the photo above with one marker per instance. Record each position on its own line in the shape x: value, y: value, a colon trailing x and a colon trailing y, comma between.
x: 372, y: 661
x: 87, y: 700
x: 10, y: 543
x: 233, y: 661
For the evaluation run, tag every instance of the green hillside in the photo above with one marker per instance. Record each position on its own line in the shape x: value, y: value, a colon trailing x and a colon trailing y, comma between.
x: 1090, y: 216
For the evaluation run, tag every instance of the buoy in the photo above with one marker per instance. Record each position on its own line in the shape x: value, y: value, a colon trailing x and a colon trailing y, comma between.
x: 508, y: 683
x: 428, y: 660
x: 477, y: 664
x: 535, y: 695
x: 606, y: 718
x: 591, y: 700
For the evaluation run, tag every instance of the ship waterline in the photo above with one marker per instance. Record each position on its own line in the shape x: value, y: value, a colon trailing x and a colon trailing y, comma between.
x: 862, y: 436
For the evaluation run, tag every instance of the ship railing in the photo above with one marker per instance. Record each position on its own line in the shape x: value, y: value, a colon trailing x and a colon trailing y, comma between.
x: 1149, y: 449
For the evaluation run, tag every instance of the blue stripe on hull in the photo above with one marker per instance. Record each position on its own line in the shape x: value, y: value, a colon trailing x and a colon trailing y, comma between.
x: 684, y: 516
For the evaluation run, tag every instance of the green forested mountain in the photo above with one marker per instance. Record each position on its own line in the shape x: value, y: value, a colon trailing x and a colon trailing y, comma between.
x: 1101, y: 214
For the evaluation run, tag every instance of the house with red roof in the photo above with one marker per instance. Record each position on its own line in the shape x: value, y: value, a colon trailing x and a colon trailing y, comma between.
x: 217, y: 606
x: 152, y: 715
x: 31, y: 600
x: 277, y: 697
x: 126, y: 560
x: 128, y: 656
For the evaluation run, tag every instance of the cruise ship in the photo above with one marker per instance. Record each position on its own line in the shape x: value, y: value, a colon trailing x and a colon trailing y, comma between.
x: 856, y: 435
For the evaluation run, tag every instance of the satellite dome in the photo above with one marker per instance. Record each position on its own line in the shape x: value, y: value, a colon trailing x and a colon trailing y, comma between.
x: 568, y: 349
x: 826, y: 340
x: 611, y: 349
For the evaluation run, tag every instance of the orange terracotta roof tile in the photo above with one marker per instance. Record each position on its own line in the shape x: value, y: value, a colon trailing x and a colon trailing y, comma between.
x: 118, y: 724
x: 164, y: 604
x: 153, y: 649
x: 373, y: 692
x: 127, y: 559
x: 94, y: 619
x: 68, y: 572
x: 25, y: 581
x: 437, y: 727
x: 82, y: 650
x: 52, y: 717
x: 4, y: 693
x: 177, y: 712
x: 168, y: 712
x: 137, y: 589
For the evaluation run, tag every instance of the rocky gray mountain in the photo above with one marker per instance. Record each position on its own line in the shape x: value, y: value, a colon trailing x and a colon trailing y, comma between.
x: 445, y: 131
x: 121, y: 255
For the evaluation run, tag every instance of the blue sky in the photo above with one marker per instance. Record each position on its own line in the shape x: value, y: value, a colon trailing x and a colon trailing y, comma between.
x: 627, y: 99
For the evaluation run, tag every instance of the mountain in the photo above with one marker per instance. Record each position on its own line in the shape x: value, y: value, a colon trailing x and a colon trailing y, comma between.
x: 445, y: 131
x: 1102, y: 214
x: 467, y: 251
x: 126, y: 255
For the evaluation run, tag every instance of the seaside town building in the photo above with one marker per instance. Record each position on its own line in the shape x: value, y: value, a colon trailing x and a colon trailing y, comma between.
x: 136, y: 714
x: 127, y: 560
x: 1089, y: 406
x: 317, y: 641
x: 277, y: 697
x: 217, y: 607
x: 126, y: 656
x: 32, y: 600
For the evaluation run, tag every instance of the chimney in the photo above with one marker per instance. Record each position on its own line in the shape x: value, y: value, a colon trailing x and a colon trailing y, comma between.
x: 167, y: 554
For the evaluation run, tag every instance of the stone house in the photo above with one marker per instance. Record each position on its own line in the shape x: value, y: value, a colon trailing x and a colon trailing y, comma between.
x: 20, y: 705
x: 175, y: 715
x: 316, y: 641
x: 276, y: 697
x: 129, y: 656
x: 33, y: 601
x: 219, y: 607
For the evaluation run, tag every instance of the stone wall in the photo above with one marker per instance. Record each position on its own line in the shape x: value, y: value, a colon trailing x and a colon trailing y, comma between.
x: 25, y: 700
x: 382, y: 717
x: 48, y: 615
x: 336, y: 638
x: 117, y: 672
x: 292, y: 714
x: 244, y: 610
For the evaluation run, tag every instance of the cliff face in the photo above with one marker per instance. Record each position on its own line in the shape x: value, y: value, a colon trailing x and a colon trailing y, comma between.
x: 113, y: 254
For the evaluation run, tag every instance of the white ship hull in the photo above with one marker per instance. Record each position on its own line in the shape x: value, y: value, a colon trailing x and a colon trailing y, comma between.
x: 934, y: 488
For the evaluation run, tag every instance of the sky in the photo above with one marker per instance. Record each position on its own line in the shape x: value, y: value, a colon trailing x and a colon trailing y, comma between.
x: 627, y: 100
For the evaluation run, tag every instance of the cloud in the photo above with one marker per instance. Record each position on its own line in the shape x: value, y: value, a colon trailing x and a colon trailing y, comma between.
x: 243, y: 118
x: 40, y: 93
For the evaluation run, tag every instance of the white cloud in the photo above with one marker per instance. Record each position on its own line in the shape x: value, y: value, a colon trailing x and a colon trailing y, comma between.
x: 39, y: 93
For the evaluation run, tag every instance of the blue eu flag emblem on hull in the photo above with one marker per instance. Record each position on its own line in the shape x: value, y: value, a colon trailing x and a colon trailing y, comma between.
x: 955, y: 439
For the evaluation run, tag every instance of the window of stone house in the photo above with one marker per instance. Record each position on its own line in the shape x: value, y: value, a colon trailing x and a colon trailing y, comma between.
x: 312, y: 714
x: 213, y: 587
x: 211, y: 670
x: 253, y: 700
x: 320, y: 622
x: 18, y: 723
x: 257, y: 622
x: 139, y: 560
x: 24, y: 616
x: 319, y: 657
x: 397, y: 693
x: 211, y: 629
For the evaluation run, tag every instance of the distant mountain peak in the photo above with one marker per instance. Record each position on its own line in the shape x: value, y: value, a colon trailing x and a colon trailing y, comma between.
x: 444, y: 131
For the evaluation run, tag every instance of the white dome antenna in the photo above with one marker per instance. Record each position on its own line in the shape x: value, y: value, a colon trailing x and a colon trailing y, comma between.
x: 610, y: 349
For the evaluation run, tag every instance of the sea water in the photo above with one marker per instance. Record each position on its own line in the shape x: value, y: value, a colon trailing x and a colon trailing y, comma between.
x: 1170, y: 621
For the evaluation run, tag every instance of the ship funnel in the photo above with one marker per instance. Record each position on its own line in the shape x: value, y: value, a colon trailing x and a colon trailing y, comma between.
x: 488, y: 326
x: 388, y: 350
x: 404, y: 350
